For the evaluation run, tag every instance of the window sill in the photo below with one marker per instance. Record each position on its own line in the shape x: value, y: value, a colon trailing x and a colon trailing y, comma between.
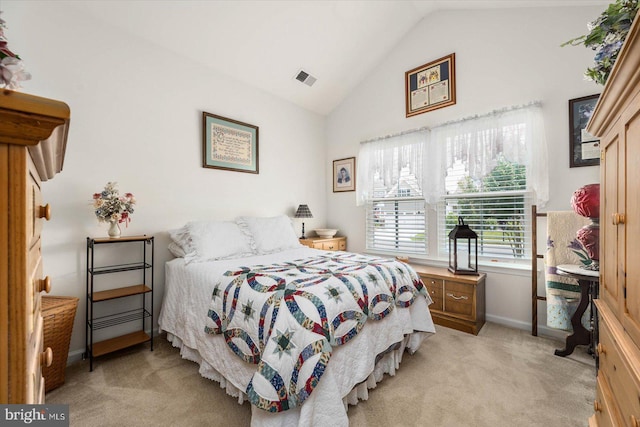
x: 512, y: 268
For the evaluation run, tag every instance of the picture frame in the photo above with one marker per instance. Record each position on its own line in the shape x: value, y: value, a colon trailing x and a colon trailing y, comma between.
x: 344, y: 175
x: 431, y: 86
x: 229, y: 144
x: 584, y: 148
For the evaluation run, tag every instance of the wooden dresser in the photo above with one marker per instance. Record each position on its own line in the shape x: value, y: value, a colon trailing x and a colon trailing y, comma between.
x: 326, y: 244
x: 33, y: 135
x: 616, y: 121
x: 458, y: 300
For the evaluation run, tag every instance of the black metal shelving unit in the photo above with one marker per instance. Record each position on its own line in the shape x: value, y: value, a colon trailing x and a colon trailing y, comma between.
x: 94, y: 296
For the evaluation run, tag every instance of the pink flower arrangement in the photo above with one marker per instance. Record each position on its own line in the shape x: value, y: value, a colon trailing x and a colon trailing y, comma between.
x: 586, y: 201
x: 109, y: 206
x: 12, y: 70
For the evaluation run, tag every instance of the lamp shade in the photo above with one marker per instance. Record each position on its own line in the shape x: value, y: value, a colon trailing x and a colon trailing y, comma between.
x: 303, y: 212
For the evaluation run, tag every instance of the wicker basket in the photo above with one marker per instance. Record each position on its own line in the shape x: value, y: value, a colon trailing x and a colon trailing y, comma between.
x: 58, y: 314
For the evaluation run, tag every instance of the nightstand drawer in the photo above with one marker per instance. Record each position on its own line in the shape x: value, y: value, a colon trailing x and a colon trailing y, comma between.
x: 458, y: 298
x: 434, y: 288
x: 330, y: 246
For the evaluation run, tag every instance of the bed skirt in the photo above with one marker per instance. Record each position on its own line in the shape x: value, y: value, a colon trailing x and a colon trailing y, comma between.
x: 386, y: 363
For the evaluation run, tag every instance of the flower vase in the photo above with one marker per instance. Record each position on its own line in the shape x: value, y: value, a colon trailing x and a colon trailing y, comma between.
x: 114, y: 229
x: 589, y: 236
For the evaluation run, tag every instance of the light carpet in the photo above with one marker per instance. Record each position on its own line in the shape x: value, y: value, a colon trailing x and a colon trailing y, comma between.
x: 502, y: 377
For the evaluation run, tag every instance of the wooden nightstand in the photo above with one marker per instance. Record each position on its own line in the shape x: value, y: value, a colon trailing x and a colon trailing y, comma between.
x: 327, y: 244
x: 458, y: 300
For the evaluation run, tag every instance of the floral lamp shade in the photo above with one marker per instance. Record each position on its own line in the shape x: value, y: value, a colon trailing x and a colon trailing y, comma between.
x: 303, y: 212
x: 586, y: 202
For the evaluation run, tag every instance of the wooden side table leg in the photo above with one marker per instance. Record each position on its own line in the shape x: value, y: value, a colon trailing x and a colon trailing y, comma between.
x: 580, y: 335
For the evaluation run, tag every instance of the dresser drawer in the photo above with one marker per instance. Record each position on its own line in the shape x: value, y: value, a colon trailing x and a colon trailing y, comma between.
x: 32, y: 289
x: 458, y: 298
x: 34, y: 203
x: 606, y: 413
x: 615, y: 368
x: 434, y: 288
x: 35, y: 381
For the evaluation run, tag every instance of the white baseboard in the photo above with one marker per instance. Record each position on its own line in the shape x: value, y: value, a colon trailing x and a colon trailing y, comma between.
x: 543, y: 330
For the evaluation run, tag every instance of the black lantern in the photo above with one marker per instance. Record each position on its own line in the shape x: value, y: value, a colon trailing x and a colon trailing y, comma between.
x: 463, y: 249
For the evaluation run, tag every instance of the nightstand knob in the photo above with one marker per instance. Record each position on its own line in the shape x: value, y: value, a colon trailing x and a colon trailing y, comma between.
x: 596, y: 406
x: 44, y: 285
x: 45, y: 212
x: 601, y: 350
x: 46, y: 357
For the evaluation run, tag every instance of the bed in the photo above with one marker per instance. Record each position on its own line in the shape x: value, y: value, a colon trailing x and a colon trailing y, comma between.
x: 298, y: 332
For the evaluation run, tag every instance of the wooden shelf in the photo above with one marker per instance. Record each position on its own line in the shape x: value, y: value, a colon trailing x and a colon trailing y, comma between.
x: 99, y: 240
x: 120, y: 292
x: 118, y: 343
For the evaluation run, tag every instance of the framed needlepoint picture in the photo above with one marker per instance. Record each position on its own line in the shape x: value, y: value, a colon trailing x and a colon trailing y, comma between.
x: 431, y: 86
x: 229, y: 144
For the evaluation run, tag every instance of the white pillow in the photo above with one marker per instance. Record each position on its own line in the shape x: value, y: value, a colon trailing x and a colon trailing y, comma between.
x: 181, y: 242
x: 213, y: 240
x: 269, y: 235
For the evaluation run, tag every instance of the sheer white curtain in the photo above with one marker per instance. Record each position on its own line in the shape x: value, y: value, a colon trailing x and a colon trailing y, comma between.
x: 385, y: 162
x: 478, y: 144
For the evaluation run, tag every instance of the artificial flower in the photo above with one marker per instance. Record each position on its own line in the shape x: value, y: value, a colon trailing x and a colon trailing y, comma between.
x: 109, y: 206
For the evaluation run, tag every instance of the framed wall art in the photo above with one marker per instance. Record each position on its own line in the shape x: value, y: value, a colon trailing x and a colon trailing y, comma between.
x: 584, y: 148
x: 344, y: 175
x: 229, y: 144
x: 431, y: 86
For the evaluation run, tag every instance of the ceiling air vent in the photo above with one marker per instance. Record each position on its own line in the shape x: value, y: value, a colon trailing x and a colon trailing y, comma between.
x: 305, y: 78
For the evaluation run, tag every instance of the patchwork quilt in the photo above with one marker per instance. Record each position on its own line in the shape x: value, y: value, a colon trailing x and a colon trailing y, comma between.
x: 287, y: 317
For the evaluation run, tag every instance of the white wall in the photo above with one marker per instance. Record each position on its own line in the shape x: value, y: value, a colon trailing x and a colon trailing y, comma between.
x: 136, y: 119
x: 504, y: 57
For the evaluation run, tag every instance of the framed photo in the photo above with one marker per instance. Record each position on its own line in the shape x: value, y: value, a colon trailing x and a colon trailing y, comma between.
x: 584, y: 148
x: 229, y: 144
x: 344, y: 175
x: 431, y: 86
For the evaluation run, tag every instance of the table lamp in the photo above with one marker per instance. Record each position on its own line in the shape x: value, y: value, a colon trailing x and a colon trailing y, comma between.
x: 303, y: 212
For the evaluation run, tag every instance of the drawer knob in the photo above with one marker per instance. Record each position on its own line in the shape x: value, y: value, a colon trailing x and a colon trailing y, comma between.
x: 45, y: 285
x: 617, y: 218
x: 45, y: 212
x: 46, y: 357
x: 597, y: 406
x: 601, y: 350
x: 634, y: 421
x: 462, y: 297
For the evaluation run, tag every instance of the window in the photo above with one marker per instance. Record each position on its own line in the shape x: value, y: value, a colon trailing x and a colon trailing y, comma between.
x: 487, y: 170
x: 393, y: 195
x: 489, y: 181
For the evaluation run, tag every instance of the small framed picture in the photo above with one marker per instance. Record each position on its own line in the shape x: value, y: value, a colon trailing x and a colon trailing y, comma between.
x: 229, y: 144
x: 584, y: 148
x: 431, y: 86
x: 344, y: 175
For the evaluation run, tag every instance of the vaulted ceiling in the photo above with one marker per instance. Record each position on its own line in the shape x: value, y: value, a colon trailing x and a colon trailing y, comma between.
x: 266, y: 43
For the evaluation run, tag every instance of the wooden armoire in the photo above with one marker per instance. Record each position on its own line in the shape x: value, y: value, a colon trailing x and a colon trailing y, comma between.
x: 33, y: 135
x: 616, y: 121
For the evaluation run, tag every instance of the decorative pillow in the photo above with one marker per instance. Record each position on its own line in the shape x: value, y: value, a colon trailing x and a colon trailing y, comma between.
x: 176, y: 250
x: 269, y: 235
x: 181, y: 245
x: 213, y: 240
